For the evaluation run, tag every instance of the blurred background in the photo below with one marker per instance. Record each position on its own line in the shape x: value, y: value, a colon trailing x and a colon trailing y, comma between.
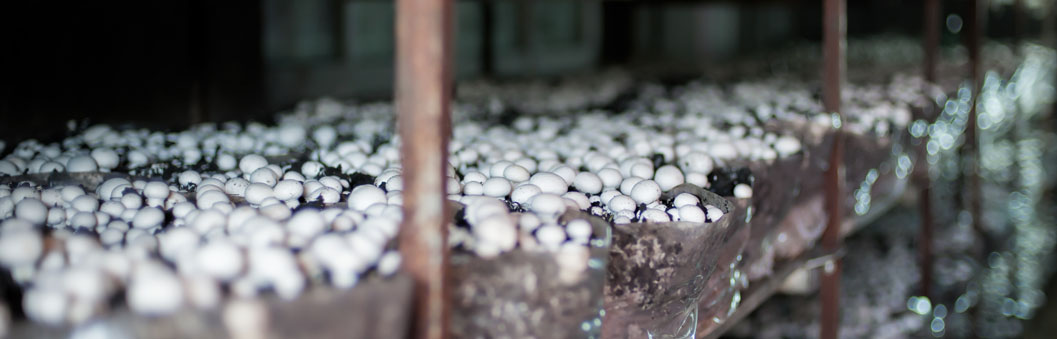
x: 172, y: 63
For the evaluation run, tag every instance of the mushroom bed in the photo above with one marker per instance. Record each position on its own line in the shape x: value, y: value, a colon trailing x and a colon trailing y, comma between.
x: 644, y: 217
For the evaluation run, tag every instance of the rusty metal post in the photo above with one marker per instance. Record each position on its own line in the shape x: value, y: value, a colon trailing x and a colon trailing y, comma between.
x: 931, y: 32
x: 423, y: 84
x: 975, y: 24
x: 932, y: 38
x: 833, y: 39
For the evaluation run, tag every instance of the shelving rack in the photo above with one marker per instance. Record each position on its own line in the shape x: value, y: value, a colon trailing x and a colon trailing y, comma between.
x: 423, y: 85
x: 423, y: 90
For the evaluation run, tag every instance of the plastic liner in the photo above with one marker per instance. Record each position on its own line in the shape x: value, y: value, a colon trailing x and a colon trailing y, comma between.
x: 869, y: 157
x: 788, y: 194
x: 658, y: 273
x: 523, y: 293
x: 376, y: 308
x: 776, y: 189
x: 788, y: 215
x: 89, y: 180
x: 381, y: 306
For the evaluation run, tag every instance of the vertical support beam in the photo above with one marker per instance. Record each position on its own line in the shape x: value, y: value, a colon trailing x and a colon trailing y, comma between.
x: 976, y: 21
x: 423, y: 85
x: 932, y: 38
x: 925, y: 238
x: 833, y: 37
x: 971, y: 189
x: 931, y: 25
x: 975, y: 24
x: 833, y: 40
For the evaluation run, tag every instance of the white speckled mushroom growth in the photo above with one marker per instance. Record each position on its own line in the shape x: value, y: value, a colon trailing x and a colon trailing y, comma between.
x: 199, y: 218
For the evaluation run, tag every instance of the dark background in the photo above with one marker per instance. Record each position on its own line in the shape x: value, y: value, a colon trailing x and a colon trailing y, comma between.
x: 168, y: 64
x: 157, y: 63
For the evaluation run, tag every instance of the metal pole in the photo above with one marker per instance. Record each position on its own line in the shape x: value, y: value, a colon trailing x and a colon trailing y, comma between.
x: 423, y: 84
x: 833, y: 37
x: 932, y: 39
x: 976, y: 23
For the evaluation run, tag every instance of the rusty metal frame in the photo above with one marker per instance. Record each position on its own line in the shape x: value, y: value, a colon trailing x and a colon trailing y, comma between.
x: 931, y: 31
x: 931, y: 26
x: 422, y: 95
x: 833, y: 41
x: 975, y: 23
x: 423, y: 84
